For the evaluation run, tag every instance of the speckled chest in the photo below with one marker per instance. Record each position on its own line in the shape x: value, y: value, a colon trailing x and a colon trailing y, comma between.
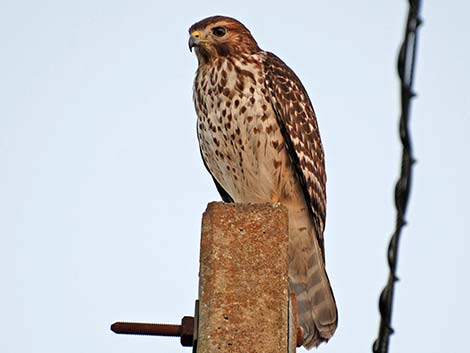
x: 238, y: 133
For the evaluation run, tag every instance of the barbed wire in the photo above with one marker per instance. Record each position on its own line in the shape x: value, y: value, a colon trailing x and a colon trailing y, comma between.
x: 406, y: 66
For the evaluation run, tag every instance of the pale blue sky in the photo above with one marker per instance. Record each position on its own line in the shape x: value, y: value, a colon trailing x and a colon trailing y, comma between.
x: 102, y: 186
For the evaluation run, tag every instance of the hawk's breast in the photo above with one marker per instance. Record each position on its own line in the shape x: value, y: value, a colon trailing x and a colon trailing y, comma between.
x: 238, y: 133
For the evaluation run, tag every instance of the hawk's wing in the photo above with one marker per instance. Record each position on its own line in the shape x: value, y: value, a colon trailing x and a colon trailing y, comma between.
x: 298, y: 124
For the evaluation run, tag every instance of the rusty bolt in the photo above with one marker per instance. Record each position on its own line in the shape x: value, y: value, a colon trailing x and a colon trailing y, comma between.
x: 185, y: 330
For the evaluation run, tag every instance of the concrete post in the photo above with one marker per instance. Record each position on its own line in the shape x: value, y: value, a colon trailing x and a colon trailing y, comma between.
x: 243, y: 283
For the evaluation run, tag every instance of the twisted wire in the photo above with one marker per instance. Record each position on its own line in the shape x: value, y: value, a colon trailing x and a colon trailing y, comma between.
x: 406, y: 66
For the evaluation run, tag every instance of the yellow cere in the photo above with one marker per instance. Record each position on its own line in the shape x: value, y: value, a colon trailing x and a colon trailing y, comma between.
x: 196, y: 34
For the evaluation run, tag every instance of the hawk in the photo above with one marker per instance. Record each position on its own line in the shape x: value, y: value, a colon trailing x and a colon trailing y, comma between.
x: 259, y: 139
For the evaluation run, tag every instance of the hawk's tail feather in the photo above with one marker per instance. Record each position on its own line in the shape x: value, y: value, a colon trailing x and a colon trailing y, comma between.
x: 316, y: 306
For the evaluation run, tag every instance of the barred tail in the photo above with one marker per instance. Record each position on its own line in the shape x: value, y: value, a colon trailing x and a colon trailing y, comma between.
x: 317, y: 313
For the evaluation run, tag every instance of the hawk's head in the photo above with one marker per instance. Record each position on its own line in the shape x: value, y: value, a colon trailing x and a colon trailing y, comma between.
x: 220, y: 36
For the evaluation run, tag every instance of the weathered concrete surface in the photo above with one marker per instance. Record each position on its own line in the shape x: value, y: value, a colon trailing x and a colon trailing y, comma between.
x: 243, y: 285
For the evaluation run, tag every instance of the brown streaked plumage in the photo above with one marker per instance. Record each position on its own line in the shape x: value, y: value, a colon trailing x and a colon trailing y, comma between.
x: 259, y: 140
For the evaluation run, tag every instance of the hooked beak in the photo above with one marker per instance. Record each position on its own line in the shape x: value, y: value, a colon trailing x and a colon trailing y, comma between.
x: 194, y: 40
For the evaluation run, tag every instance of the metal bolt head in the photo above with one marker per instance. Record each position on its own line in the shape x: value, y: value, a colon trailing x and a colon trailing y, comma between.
x: 187, y: 331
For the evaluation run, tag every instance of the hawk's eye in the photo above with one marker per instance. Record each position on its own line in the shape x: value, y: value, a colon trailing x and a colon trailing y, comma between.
x: 218, y: 31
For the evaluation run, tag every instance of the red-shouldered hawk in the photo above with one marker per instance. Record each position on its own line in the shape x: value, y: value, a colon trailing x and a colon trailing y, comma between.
x: 259, y: 140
